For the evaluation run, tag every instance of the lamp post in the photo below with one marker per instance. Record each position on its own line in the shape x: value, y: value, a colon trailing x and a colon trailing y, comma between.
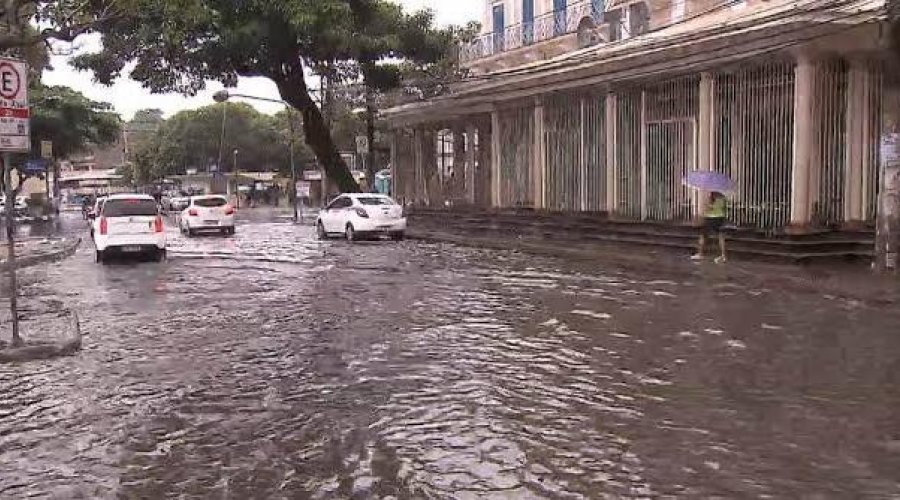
x: 224, y: 95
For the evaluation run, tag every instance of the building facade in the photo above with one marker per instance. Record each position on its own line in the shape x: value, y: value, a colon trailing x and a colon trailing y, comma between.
x: 607, y: 109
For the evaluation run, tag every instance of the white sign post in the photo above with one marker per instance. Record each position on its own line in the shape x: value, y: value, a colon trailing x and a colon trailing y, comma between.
x: 15, y: 132
x: 14, y: 136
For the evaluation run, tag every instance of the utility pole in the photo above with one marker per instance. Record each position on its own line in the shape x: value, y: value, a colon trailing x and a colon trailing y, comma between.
x: 11, y: 249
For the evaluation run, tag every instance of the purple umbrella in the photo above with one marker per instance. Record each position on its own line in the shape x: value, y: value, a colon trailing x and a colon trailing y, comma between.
x: 709, y: 181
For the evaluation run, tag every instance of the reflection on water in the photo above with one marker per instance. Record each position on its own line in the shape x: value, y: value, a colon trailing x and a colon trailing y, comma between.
x: 270, y: 365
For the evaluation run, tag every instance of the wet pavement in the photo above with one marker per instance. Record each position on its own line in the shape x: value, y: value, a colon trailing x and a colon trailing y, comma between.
x: 269, y: 365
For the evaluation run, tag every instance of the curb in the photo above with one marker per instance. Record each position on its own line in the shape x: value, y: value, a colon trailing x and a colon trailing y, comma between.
x: 45, y: 350
x: 786, y: 277
x: 67, y: 249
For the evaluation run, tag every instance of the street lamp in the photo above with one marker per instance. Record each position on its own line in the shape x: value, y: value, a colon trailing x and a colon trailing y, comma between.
x: 224, y: 95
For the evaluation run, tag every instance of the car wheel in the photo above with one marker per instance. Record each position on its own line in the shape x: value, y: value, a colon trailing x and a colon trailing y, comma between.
x: 159, y: 255
x: 320, y: 231
x: 191, y: 232
x: 350, y: 233
x: 398, y: 236
x: 100, y: 257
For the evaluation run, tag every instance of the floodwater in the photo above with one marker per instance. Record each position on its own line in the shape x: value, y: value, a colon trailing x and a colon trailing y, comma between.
x: 270, y: 365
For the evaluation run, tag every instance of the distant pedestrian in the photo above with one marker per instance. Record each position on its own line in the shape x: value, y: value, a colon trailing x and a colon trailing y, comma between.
x: 713, y: 221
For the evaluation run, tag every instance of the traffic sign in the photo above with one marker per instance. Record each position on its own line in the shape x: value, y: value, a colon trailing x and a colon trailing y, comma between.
x: 15, y: 133
x: 37, y: 166
x: 304, y: 189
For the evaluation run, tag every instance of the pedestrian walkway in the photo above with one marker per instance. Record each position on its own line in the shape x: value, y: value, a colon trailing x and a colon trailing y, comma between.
x: 33, y: 251
x: 844, y: 280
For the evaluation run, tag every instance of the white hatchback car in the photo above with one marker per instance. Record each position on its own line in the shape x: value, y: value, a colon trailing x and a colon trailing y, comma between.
x: 361, y: 215
x: 207, y: 213
x: 129, y: 224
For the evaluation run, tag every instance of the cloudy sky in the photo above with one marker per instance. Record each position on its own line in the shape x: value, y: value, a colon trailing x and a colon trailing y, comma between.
x: 127, y: 96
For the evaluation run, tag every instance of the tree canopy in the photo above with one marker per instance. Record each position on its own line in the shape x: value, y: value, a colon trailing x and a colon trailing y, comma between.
x: 178, y: 45
x: 192, y: 139
x: 70, y: 120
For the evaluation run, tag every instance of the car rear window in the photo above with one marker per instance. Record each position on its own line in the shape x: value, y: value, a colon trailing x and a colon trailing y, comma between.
x: 129, y: 208
x: 375, y: 200
x: 210, y: 202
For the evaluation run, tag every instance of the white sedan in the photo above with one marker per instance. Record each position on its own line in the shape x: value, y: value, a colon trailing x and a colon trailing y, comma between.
x: 129, y: 224
x: 207, y: 213
x: 356, y: 216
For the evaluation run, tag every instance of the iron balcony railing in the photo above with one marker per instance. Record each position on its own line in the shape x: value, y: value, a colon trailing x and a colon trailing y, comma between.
x: 544, y: 27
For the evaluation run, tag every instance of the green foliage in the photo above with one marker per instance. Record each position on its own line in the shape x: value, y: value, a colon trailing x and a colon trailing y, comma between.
x: 192, y: 140
x: 70, y: 120
x: 178, y: 45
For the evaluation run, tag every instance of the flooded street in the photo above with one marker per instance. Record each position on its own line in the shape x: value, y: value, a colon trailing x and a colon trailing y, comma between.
x: 270, y: 365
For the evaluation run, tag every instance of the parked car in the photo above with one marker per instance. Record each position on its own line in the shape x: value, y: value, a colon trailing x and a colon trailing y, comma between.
x: 20, y: 207
x: 129, y: 224
x: 359, y: 216
x: 94, y: 212
x: 207, y: 213
x: 179, y: 203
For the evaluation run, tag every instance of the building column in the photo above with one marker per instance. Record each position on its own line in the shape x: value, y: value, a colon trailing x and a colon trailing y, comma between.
x: 495, y: 159
x: 471, y: 133
x: 484, y: 172
x: 705, y: 142
x: 539, y: 161
x: 804, y: 143
x: 611, y: 195
x: 860, y: 89
x: 887, y: 239
x: 394, y: 143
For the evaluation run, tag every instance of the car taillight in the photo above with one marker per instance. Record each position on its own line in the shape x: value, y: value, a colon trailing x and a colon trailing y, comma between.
x: 158, y: 225
x: 104, y: 226
x: 229, y: 210
x: 362, y: 213
x: 193, y: 212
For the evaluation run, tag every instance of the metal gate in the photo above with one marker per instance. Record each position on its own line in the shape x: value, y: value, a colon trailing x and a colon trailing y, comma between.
x: 594, y: 112
x: 870, y: 172
x: 671, y: 109
x: 628, y: 173
x: 516, y: 157
x: 830, y: 161
x: 575, y: 152
x: 563, y: 152
x: 753, y: 128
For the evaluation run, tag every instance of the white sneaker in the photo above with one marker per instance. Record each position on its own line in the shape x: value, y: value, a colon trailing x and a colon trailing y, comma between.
x: 721, y: 260
x: 697, y: 256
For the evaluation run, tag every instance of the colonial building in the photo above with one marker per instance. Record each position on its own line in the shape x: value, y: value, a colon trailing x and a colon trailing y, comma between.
x: 586, y: 106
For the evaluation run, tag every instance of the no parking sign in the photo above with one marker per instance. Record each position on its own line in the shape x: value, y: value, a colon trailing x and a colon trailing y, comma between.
x: 15, y: 133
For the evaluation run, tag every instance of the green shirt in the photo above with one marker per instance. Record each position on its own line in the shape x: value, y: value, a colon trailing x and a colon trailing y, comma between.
x: 716, y: 209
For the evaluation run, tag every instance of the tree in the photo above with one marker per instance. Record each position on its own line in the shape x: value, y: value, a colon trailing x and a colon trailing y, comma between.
x: 69, y: 120
x: 178, y: 46
x: 28, y: 23
x: 192, y: 139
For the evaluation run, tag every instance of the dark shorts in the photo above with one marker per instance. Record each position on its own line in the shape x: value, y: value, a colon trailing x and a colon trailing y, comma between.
x: 712, y: 226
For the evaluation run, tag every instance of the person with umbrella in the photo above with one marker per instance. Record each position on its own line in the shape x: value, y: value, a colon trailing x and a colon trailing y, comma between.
x: 716, y: 184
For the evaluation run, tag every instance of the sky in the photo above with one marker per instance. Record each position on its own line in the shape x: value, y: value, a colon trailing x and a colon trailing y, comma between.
x: 127, y: 96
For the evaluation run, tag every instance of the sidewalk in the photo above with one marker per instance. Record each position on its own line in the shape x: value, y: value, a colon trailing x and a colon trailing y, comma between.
x: 840, y: 280
x: 33, y: 251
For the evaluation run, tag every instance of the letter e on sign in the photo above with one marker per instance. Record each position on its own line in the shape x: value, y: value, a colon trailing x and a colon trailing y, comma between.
x: 11, y: 81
